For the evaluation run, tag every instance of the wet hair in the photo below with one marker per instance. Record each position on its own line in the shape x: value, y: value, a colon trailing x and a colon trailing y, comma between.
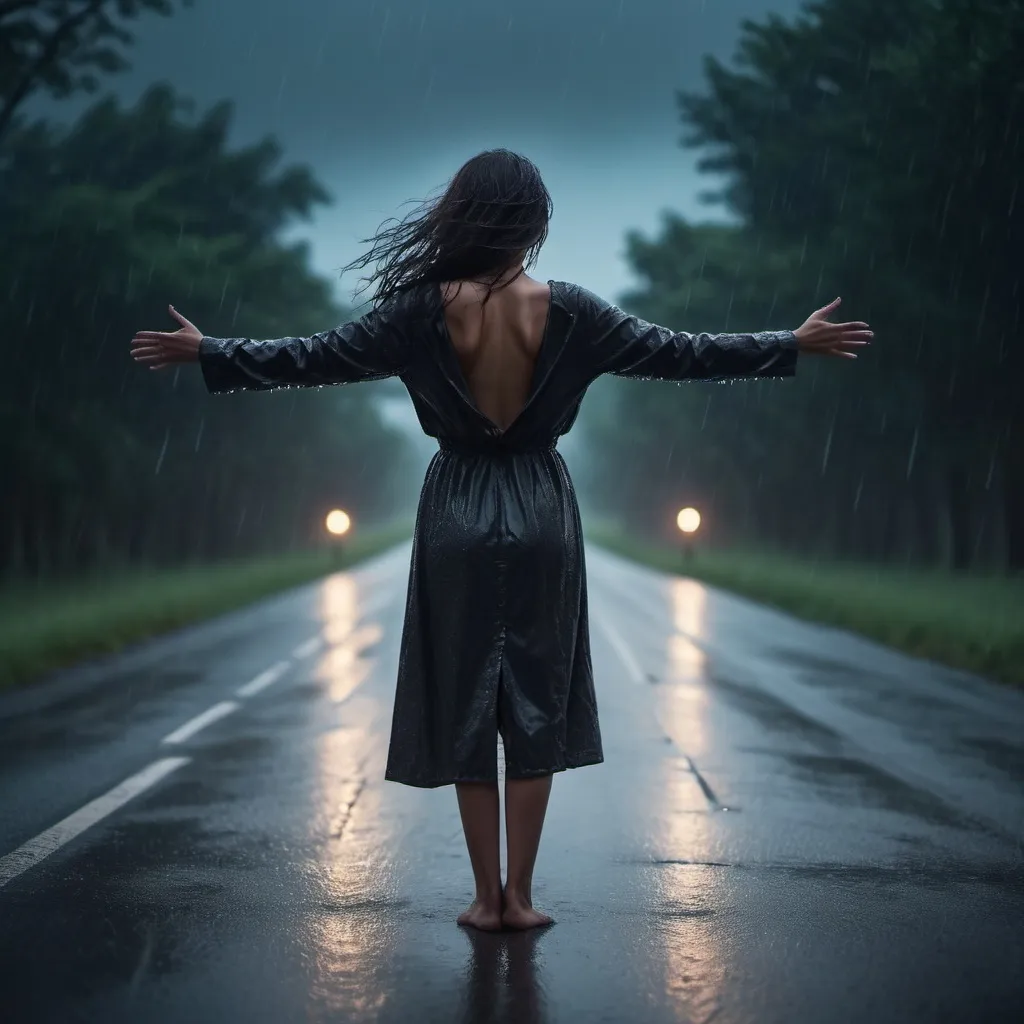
x: 492, y: 213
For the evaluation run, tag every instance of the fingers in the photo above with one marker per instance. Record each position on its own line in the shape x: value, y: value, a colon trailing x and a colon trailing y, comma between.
x: 144, y: 352
x: 181, y: 320
x: 156, y: 363
x: 154, y: 335
x: 154, y: 339
x: 831, y: 341
x: 153, y: 354
x: 158, y: 354
x: 836, y: 340
x: 160, y: 349
x: 834, y: 333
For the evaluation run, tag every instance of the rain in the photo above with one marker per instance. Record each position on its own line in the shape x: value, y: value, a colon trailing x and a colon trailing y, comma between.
x: 211, y: 576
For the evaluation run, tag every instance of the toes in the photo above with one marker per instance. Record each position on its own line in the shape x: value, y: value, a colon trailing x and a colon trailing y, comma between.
x: 477, y: 917
x: 481, y: 924
x: 524, y: 919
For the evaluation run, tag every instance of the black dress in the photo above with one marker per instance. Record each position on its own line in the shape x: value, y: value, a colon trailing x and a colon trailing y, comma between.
x: 496, y: 633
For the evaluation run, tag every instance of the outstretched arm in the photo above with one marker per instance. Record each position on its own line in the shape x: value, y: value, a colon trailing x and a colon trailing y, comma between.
x: 361, y: 350
x: 628, y: 346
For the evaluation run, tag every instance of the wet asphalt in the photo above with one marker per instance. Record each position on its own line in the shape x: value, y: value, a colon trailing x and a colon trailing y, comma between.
x: 792, y: 825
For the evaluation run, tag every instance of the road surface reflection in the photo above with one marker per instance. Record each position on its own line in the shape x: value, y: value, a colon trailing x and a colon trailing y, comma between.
x: 354, y: 931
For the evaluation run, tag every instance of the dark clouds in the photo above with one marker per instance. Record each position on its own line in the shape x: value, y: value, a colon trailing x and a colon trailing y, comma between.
x: 386, y: 97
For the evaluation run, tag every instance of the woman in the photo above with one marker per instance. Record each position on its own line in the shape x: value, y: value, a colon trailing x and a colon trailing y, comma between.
x: 496, y: 632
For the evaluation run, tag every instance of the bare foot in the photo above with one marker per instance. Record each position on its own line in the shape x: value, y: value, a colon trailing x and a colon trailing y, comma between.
x: 484, y: 916
x: 520, y: 915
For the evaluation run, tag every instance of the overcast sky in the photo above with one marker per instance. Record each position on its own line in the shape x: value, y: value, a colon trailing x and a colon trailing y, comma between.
x: 386, y: 98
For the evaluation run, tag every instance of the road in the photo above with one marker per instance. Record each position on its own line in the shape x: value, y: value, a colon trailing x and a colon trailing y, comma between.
x: 791, y: 825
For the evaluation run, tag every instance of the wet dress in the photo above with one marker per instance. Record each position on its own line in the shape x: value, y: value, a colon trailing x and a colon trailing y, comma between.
x: 496, y: 633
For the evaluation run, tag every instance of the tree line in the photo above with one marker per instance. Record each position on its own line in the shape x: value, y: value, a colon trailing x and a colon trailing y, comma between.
x: 104, y: 223
x: 871, y: 150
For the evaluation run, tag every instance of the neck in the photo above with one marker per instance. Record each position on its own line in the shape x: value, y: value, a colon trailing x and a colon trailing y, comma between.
x: 506, y: 275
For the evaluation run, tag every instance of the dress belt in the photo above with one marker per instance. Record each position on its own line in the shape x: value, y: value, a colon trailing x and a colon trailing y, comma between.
x: 492, y: 447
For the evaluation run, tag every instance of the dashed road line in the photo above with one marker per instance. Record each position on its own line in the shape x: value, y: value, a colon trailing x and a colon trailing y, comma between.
x: 31, y: 853
x: 311, y: 646
x: 263, y: 680
x: 209, y: 716
x: 41, y: 846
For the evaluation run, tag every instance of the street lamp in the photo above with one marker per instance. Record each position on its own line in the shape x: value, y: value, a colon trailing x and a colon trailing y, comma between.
x: 338, y: 523
x: 688, y: 522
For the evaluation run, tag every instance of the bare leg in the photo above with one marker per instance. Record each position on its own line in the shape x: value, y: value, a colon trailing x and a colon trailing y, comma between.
x: 526, y: 801
x: 481, y: 823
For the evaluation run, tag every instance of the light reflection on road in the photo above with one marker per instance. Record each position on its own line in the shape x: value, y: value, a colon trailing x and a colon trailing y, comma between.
x: 353, y: 933
x: 343, y: 666
x: 690, y: 888
x: 683, y: 704
x: 688, y: 600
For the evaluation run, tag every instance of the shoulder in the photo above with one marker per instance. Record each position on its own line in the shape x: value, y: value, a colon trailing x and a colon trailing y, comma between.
x: 582, y: 299
x: 588, y: 307
x: 411, y: 302
x: 398, y: 312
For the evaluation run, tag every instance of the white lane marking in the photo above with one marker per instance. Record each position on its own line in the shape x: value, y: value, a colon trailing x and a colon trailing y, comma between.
x: 872, y: 739
x: 263, y: 680
x: 304, y: 650
x: 32, y: 852
x: 193, y: 725
x: 621, y: 649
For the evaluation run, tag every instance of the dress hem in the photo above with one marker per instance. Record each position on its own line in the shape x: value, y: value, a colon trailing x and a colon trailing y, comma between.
x: 583, y: 761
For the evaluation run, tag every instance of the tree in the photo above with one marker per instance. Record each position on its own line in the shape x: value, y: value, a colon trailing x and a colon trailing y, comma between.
x: 808, y: 463
x: 59, y: 45
x: 109, y: 221
x: 886, y: 138
x: 872, y: 150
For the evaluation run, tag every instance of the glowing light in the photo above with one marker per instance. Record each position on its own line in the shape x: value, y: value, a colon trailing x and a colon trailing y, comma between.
x: 688, y: 520
x: 338, y: 522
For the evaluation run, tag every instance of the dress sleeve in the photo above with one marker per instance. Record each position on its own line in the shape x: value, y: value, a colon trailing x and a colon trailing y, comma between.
x: 361, y: 350
x: 627, y: 346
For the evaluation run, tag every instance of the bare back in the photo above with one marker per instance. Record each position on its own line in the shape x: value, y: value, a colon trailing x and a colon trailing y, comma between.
x: 497, y: 345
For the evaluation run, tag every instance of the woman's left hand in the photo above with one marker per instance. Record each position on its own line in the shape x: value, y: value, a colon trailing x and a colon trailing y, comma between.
x: 168, y: 348
x: 820, y: 337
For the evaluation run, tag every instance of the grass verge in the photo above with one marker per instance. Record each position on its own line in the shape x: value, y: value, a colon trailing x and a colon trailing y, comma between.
x: 970, y: 622
x: 46, y: 626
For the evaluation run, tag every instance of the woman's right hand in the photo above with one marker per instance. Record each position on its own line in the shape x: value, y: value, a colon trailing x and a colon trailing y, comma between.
x: 159, y: 349
x: 819, y: 337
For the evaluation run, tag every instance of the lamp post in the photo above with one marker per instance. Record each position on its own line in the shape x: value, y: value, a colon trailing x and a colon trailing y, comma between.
x: 338, y: 524
x: 688, y: 522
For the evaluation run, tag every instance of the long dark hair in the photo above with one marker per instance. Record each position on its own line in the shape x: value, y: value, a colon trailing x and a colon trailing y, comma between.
x: 493, y: 211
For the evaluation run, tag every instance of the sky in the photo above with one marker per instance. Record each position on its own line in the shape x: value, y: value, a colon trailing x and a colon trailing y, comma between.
x: 384, y: 99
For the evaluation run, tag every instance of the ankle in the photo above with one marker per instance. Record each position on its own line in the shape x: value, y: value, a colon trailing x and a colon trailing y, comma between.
x: 518, y: 895
x: 488, y: 896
